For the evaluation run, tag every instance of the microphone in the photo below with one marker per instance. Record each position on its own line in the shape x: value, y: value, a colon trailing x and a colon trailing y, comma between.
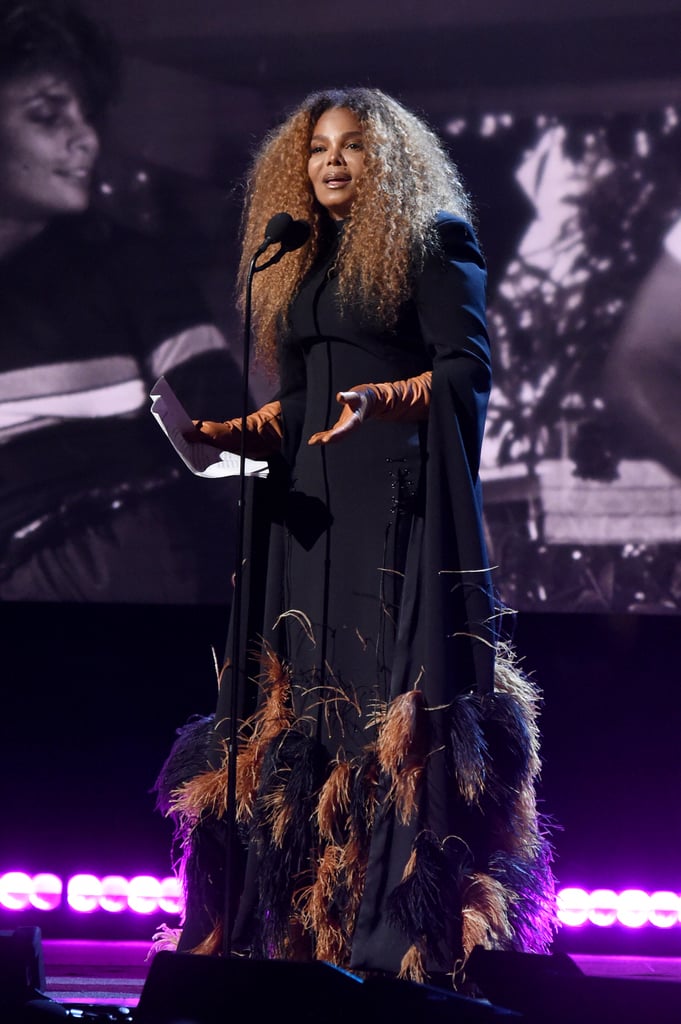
x: 289, y: 233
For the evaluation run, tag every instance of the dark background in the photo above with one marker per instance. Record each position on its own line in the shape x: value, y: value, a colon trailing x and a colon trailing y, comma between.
x: 92, y: 695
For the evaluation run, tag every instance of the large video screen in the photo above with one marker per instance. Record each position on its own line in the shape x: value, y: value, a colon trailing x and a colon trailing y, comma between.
x: 113, y: 273
x: 582, y: 455
x: 131, y: 276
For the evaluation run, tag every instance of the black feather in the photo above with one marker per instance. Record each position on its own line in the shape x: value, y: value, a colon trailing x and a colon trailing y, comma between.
x: 468, y: 750
x: 509, y: 743
x: 533, y: 915
x: 415, y: 905
x: 297, y: 764
x: 190, y: 755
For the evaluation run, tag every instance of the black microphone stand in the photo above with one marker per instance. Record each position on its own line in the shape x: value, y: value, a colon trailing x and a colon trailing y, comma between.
x: 235, y: 665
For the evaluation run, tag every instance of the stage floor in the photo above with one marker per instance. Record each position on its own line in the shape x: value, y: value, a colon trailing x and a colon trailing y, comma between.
x: 95, y: 972
x: 111, y: 975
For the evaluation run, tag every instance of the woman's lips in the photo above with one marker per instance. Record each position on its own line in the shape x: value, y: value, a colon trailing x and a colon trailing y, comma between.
x: 79, y: 174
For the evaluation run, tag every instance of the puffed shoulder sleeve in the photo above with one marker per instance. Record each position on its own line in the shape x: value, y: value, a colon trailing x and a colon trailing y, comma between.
x: 451, y: 304
x: 449, y: 628
x: 451, y: 294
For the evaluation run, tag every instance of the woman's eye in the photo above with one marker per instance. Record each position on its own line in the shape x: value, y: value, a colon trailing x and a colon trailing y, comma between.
x: 45, y: 116
x: 55, y: 112
x: 316, y: 149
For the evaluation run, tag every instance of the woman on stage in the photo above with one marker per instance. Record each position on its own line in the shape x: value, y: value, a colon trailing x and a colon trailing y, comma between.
x: 389, y: 745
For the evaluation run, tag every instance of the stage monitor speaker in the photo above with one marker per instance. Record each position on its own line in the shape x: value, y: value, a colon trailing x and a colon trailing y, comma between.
x: 188, y: 988
x: 22, y: 968
x: 551, y: 989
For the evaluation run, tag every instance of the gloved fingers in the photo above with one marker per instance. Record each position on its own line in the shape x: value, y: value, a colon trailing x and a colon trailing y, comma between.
x: 219, y: 435
x: 357, y: 400
x: 354, y: 409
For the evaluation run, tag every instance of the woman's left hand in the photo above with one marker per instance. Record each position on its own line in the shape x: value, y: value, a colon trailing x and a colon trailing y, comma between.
x: 356, y: 404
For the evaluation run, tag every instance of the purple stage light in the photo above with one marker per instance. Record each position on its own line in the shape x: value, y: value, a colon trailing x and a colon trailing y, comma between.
x: 573, y: 906
x: 84, y: 893
x: 665, y: 909
x: 18, y: 891
x: 144, y: 894
x: 15, y: 890
x: 603, y: 905
x: 633, y: 908
x: 114, y: 897
x: 46, y: 891
x: 170, y: 900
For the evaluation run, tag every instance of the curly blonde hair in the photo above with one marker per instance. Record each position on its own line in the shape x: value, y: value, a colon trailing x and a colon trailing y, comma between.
x: 407, y: 178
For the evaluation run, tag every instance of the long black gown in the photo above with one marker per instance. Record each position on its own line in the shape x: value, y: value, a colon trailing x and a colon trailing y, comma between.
x: 385, y: 785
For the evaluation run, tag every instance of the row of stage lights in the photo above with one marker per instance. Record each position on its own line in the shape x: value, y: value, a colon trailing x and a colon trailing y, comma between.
x: 144, y: 894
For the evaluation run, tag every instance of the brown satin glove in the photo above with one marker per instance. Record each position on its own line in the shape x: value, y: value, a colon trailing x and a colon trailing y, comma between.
x: 406, y: 401
x: 263, y: 433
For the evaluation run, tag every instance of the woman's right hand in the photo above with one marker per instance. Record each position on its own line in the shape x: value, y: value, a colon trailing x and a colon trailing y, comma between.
x: 225, y: 436
x: 263, y: 433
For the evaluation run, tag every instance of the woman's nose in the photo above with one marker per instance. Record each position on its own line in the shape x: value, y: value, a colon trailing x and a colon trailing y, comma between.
x: 82, y: 135
x: 86, y: 138
x: 335, y: 155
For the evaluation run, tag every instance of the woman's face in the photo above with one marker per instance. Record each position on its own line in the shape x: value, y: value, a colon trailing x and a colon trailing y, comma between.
x: 47, y: 149
x: 336, y: 160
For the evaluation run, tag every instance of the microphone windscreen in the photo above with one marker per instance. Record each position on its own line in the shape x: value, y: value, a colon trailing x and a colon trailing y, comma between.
x: 289, y: 232
x: 277, y: 227
x: 296, y: 235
